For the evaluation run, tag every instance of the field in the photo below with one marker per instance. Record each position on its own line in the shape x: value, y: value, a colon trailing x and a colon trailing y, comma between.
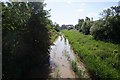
x: 102, y: 59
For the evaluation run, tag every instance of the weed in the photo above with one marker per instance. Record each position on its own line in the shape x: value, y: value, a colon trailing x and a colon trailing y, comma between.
x: 76, y: 68
x: 102, y: 59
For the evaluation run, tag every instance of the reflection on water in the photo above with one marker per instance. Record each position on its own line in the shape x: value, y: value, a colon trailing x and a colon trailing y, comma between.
x: 59, y: 63
x: 60, y: 56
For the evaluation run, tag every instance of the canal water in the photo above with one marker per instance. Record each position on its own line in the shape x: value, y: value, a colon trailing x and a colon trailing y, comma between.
x: 61, y: 54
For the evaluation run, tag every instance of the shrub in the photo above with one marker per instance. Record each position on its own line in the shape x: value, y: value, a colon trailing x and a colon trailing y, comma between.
x: 86, y: 27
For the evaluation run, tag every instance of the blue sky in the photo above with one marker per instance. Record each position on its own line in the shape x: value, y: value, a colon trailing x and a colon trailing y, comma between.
x: 69, y: 11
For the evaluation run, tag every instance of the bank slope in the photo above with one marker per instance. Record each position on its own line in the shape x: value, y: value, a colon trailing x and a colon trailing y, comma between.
x: 101, y: 58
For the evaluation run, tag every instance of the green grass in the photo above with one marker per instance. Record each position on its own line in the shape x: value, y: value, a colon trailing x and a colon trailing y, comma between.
x: 75, y: 68
x: 53, y: 35
x: 102, y: 59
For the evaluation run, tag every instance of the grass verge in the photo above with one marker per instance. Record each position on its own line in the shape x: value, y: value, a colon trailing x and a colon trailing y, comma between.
x: 76, y: 69
x: 102, y: 59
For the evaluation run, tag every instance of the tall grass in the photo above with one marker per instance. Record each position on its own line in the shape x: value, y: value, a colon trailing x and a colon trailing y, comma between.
x: 102, y: 59
x: 76, y: 69
x: 53, y: 35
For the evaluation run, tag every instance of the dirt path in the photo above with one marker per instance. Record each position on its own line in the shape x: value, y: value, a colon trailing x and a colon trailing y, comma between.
x: 60, y: 56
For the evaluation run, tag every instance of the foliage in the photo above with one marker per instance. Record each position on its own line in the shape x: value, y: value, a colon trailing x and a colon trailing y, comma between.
x: 57, y: 27
x: 75, y: 68
x: 78, y: 26
x: 108, y: 27
x: 101, y: 58
x: 25, y: 39
x: 97, y: 30
x: 52, y: 32
x: 85, y: 28
x: 112, y: 11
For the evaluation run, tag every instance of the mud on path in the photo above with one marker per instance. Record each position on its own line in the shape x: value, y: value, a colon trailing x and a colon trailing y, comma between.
x: 60, y: 56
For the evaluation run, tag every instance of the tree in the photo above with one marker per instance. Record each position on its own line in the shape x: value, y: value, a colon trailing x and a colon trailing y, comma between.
x: 87, y: 19
x: 97, y: 30
x: 116, y: 10
x: 85, y: 28
x: 12, y: 28
x: 78, y: 26
x: 25, y: 39
x: 107, y: 29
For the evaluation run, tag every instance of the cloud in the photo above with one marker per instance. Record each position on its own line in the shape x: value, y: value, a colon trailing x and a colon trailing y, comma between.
x: 80, y: 10
x: 106, y: 8
x: 92, y: 14
x: 69, y: 2
x: 82, y: 4
x: 80, y: 1
x: 95, y: 15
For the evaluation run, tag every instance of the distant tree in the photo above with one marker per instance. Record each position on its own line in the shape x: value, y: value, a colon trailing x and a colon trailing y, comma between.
x: 85, y: 28
x: 79, y: 25
x: 57, y: 27
x: 112, y: 11
x: 116, y: 10
x: 92, y: 19
x: 97, y: 30
x: 108, y: 28
x: 87, y: 19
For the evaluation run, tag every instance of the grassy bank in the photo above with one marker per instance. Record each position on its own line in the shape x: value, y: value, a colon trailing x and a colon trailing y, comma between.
x: 102, y: 59
x: 53, y: 35
x: 76, y: 69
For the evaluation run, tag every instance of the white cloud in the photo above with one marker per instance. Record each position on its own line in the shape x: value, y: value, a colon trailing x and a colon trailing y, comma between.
x: 105, y: 8
x: 80, y: 10
x: 92, y: 14
x: 69, y: 2
x: 82, y: 4
x: 4, y: 0
x: 95, y: 15
x: 82, y: 0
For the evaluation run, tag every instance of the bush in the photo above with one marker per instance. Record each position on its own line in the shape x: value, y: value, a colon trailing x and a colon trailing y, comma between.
x: 97, y: 30
x: 106, y: 30
x: 86, y: 27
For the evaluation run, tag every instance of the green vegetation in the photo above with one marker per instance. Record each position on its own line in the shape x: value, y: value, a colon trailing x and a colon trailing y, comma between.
x: 102, y: 59
x: 53, y: 30
x: 85, y: 28
x: 106, y: 29
x: 53, y: 35
x: 27, y: 33
x: 25, y: 39
x: 75, y: 68
x: 78, y: 26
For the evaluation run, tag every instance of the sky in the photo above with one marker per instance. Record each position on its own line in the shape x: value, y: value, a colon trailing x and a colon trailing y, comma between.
x: 69, y: 11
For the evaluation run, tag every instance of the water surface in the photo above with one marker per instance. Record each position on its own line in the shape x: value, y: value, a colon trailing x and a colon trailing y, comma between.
x: 60, y: 55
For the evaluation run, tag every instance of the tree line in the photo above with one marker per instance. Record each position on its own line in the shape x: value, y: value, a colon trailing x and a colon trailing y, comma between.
x: 107, y: 28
